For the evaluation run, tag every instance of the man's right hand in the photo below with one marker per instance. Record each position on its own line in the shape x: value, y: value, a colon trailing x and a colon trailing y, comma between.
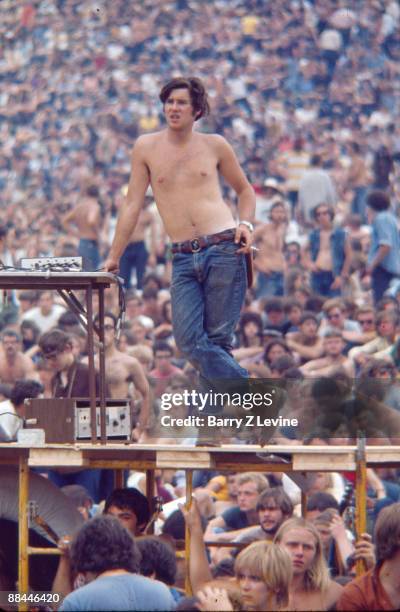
x: 111, y: 265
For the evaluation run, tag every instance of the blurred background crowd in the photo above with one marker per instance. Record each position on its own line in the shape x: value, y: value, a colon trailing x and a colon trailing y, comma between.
x: 80, y: 81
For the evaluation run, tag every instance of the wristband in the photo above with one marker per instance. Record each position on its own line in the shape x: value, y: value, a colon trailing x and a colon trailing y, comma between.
x: 249, y: 225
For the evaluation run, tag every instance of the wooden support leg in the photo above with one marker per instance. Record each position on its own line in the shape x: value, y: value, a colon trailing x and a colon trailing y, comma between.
x: 150, y: 493
x: 303, y: 504
x: 361, y: 497
x: 150, y: 485
x: 23, y: 528
x: 189, y: 492
x: 119, y: 479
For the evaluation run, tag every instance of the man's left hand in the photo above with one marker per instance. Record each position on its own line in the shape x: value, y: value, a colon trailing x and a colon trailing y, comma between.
x: 243, y: 237
x: 337, y: 283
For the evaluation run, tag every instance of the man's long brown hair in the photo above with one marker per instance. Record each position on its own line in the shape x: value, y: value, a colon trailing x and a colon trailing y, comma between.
x: 198, y: 94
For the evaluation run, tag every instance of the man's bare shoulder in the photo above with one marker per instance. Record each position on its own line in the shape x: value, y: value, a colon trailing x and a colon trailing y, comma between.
x: 124, y: 358
x: 213, y: 140
x: 333, y: 593
x: 146, y: 140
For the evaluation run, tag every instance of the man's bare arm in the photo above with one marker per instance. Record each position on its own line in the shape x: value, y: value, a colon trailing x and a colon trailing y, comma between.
x: 218, y: 521
x: 228, y: 536
x: 315, y: 364
x: 142, y: 385
x: 130, y: 209
x: 232, y: 172
x: 68, y: 223
x: 348, y: 255
x: 30, y: 368
x: 199, y: 571
x: 246, y: 351
x: 153, y: 240
x: 306, y: 352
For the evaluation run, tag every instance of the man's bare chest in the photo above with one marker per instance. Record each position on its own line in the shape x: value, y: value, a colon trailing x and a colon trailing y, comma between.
x: 12, y: 369
x: 169, y: 167
x: 272, y: 239
x: 117, y: 370
x: 325, y: 241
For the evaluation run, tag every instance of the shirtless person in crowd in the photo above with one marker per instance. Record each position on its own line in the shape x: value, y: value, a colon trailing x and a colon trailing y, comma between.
x: 358, y: 177
x: 327, y: 254
x: 311, y: 587
x: 14, y: 365
x: 333, y: 359
x: 135, y: 255
x: 123, y: 371
x: 209, y: 273
x: 84, y: 222
x: 270, y: 260
x: 306, y: 342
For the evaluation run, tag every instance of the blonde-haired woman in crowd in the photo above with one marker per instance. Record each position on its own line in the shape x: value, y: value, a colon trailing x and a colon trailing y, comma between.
x: 263, y: 573
x: 311, y: 587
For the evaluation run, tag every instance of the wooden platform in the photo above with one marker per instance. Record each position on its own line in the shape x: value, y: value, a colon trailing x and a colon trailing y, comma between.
x: 225, y: 457
x: 239, y: 458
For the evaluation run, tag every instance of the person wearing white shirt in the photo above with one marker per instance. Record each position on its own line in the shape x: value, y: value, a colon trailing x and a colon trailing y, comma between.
x: 46, y: 313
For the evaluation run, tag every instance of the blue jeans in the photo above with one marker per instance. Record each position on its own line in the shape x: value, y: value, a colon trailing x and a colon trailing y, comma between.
x: 359, y: 203
x: 321, y: 284
x: 380, y: 281
x: 90, y: 479
x: 269, y: 285
x: 207, y: 293
x: 89, y: 251
x: 134, y: 256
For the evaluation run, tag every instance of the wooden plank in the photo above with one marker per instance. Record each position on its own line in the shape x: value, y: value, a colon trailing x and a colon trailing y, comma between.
x: 56, y: 457
x: 104, y: 464
x: 34, y: 550
x: 250, y: 466
x: 240, y: 458
x: 383, y: 455
x: 328, y: 461
x: 195, y: 460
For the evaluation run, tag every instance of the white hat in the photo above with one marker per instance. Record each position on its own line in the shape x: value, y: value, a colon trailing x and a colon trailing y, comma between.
x: 272, y: 183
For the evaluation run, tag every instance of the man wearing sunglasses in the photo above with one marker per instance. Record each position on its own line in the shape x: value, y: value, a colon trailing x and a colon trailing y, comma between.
x: 125, y: 376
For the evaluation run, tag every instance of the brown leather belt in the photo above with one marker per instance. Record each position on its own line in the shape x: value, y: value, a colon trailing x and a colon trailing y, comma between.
x: 197, y: 244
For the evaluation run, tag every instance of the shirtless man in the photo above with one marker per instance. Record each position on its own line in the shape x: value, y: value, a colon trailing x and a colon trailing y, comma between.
x: 84, y: 222
x: 327, y: 254
x: 209, y: 275
x: 358, y: 178
x: 270, y: 260
x: 333, y: 359
x: 311, y: 588
x: 14, y: 365
x: 135, y: 254
x: 122, y: 370
x: 306, y: 342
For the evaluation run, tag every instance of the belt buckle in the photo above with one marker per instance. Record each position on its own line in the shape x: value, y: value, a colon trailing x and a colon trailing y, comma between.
x: 195, y: 245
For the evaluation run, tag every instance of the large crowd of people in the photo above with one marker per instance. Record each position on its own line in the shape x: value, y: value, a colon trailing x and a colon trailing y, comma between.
x: 308, y: 94
x: 78, y: 83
